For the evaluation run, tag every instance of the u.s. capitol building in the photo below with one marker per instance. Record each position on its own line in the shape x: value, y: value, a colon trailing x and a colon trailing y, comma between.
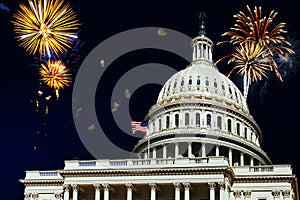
x: 201, y: 143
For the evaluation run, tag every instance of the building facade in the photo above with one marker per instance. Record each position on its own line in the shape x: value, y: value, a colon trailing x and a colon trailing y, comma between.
x: 201, y: 143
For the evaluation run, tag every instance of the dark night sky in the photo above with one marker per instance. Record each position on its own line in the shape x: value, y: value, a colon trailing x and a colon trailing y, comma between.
x: 55, y: 137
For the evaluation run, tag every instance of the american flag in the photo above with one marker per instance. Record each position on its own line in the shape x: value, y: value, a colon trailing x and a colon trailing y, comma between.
x: 138, y: 126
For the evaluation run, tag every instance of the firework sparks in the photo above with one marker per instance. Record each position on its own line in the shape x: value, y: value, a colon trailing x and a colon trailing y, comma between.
x: 252, y: 61
x: 55, y: 75
x: 256, y: 34
x: 45, y: 26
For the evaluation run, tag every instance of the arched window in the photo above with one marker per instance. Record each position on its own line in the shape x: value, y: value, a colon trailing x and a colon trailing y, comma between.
x: 182, y: 82
x: 206, y: 82
x: 197, y: 119
x: 245, y: 132
x: 238, y: 129
x: 190, y: 81
x: 175, y: 83
x: 168, y: 122
x: 186, y: 119
x: 198, y: 80
x: 176, y: 120
x: 219, y: 122
x: 229, y: 125
x: 208, y: 120
x: 215, y: 83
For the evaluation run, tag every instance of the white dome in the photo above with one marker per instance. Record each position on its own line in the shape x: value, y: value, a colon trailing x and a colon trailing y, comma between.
x: 202, y: 80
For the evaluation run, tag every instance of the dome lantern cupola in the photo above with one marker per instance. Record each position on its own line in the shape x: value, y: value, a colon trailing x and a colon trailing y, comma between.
x: 202, y: 45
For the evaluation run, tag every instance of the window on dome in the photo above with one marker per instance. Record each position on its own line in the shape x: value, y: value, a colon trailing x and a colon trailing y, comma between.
x: 187, y: 119
x: 177, y: 120
x: 245, y: 132
x: 208, y: 120
x: 219, y: 122
x: 206, y: 82
x: 223, y: 87
x: 175, y: 84
x: 198, y: 81
x: 190, y: 82
x: 215, y: 83
x: 197, y: 119
x: 238, y: 128
x: 168, y: 122
x: 230, y: 90
x: 229, y: 125
x: 182, y: 82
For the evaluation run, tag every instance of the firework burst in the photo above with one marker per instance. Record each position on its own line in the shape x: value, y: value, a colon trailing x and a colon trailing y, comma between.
x: 55, y: 75
x: 45, y: 26
x: 256, y: 34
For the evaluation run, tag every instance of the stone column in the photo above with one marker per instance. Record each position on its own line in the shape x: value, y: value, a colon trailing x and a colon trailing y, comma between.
x: 187, y: 187
x: 176, y: 150
x: 97, y: 191
x: 154, y: 152
x: 203, y: 150
x: 27, y: 196
x: 177, y: 187
x: 217, y: 151
x: 247, y: 194
x: 146, y: 155
x: 164, y: 151
x: 222, y: 190
x: 58, y: 196
x: 75, y: 188
x: 211, y: 187
x: 230, y: 156
x: 153, y: 187
x: 106, y: 187
x: 251, y: 161
x: 129, y: 187
x: 242, y: 159
x: 66, y: 192
x: 189, y: 149
x: 35, y: 196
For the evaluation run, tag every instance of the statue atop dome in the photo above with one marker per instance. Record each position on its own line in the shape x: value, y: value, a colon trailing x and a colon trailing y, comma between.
x: 202, y: 20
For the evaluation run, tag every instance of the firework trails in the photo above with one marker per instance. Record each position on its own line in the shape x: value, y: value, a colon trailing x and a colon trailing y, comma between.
x: 267, y: 41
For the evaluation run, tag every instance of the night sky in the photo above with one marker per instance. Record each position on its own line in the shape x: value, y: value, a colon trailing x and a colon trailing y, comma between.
x: 34, y: 141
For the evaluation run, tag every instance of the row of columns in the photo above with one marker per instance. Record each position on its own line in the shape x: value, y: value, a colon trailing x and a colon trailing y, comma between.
x: 203, y: 153
x: 153, y: 186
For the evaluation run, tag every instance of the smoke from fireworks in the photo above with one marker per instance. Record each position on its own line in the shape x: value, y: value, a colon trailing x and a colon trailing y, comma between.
x: 259, y: 30
x: 45, y: 26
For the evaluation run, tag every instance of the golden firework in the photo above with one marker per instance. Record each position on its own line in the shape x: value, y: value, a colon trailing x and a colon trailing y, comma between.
x: 45, y: 26
x: 257, y: 42
x: 55, y: 75
x: 252, y: 61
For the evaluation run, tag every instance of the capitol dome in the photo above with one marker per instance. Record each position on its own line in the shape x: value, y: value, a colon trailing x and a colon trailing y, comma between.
x: 201, y: 113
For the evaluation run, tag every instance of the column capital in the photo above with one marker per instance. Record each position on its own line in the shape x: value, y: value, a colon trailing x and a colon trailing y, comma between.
x: 221, y: 185
x: 177, y: 185
x: 187, y: 185
x: 75, y: 187
x: 153, y: 186
x: 237, y: 193
x: 35, y: 196
x: 66, y: 187
x: 211, y: 185
x: 97, y: 186
x: 247, y: 193
x: 106, y: 186
x: 58, y: 195
x: 129, y: 186
x: 276, y: 193
x: 286, y: 193
x: 27, y: 196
